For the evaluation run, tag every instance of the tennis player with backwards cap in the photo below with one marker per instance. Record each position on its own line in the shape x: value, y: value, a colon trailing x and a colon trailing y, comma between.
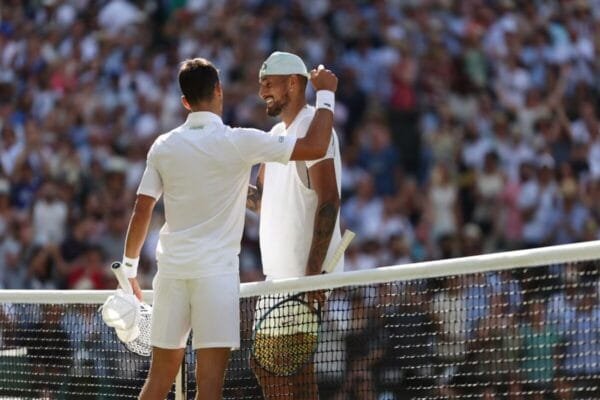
x: 298, y: 204
x: 202, y: 169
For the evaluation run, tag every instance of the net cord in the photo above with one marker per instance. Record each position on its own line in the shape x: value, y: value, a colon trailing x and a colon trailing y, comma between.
x: 575, y: 252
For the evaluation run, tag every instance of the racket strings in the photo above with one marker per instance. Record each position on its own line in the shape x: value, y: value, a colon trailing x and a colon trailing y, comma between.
x: 284, y: 355
x: 286, y: 336
x: 141, y: 345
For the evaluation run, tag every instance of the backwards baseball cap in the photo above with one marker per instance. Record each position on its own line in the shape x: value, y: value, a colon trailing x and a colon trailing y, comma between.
x: 282, y: 63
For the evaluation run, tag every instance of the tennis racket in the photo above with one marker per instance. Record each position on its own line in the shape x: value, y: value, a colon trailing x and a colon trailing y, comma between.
x: 131, y: 318
x: 286, y: 336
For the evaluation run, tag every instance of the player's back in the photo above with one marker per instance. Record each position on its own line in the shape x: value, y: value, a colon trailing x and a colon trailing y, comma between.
x: 202, y: 175
x: 202, y: 169
x: 204, y: 182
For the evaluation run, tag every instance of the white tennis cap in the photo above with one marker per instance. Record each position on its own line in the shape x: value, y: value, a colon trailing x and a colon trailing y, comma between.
x: 282, y: 63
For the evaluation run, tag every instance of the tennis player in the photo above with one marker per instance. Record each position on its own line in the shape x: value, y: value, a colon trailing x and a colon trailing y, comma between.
x: 298, y: 203
x: 202, y: 169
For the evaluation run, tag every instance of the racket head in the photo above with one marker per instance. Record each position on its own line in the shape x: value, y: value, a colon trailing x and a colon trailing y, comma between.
x: 141, y: 344
x: 136, y: 338
x: 286, y: 336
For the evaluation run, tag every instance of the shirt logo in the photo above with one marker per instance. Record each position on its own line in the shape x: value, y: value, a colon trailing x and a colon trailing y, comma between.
x: 280, y: 139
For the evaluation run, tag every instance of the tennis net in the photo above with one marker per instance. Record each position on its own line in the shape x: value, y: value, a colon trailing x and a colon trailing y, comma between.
x: 512, y: 325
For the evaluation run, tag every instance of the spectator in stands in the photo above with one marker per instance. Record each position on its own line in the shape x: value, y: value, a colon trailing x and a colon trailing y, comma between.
x: 8, y: 322
x: 571, y: 216
x: 46, y: 268
x: 580, y: 360
x: 442, y: 209
x: 453, y: 325
x: 492, y: 359
x: 362, y: 350
x: 405, y: 368
x: 89, y: 271
x: 539, y: 350
x: 542, y: 202
x: 111, y: 239
x: 6, y: 215
x: 509, y: 218
x: 77, y: 240
x: 363, y: 212
x: 50, y: 354
x: 49, y: 216
x: 379, y: 158
x: 489, y: 182
x: 397, y: 251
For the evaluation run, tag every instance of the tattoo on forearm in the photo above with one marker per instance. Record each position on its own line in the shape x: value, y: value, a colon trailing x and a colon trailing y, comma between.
x: 324, y: 225
x: 254, y: 197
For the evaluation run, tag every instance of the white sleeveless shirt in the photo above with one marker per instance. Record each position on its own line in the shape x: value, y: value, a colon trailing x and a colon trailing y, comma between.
x: 288, y: 207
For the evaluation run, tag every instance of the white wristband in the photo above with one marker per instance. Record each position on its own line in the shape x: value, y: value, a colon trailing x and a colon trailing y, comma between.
x: 325, y: 99
x: 131, y: 266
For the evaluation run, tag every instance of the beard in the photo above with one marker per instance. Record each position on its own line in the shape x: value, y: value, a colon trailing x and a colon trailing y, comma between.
x: 276, y: 107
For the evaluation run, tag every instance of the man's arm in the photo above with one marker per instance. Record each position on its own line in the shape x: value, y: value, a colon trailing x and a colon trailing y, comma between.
x: 323, y: 181
x: 255, y: 192
x: 137, y: 231
x: 314, y: 145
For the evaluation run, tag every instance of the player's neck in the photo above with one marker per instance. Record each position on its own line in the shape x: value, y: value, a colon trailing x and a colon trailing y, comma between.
x: 289, y: 113
x: 213, y: 107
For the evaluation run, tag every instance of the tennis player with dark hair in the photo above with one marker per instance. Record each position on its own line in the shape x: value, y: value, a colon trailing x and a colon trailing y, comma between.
x: 299, y: 210
x: 202, y: 169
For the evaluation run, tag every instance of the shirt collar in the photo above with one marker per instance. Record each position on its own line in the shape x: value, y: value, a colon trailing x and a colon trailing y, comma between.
x: 195, y: 119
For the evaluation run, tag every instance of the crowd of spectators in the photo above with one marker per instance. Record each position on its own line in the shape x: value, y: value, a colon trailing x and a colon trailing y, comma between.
x: 467, y: 127
x: 459, y: 120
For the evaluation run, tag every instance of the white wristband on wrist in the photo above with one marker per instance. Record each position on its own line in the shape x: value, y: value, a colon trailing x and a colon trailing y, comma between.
x: 131, y: 266
x: 325, y: 99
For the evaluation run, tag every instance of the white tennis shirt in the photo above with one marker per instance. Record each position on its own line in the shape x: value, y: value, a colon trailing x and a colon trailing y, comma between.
x: 203, y: 168
x: 288, y: 207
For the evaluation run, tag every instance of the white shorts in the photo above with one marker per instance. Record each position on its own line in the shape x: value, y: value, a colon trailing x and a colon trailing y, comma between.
x: 208, y: 306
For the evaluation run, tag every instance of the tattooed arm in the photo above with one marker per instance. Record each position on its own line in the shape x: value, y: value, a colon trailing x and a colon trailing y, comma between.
x: 255, y: 192
x: 323, y: 182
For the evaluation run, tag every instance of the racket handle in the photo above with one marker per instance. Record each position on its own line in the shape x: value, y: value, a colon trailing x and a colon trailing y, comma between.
x: 121, y: 278
x: 339, y: 251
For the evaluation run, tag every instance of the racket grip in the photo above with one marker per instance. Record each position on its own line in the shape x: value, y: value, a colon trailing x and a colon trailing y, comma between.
x: 339, y: 251
x: 117, y: 269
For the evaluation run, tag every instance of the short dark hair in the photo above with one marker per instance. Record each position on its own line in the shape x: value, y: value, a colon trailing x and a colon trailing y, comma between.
x: 303, y: 81
x: 197, y: 80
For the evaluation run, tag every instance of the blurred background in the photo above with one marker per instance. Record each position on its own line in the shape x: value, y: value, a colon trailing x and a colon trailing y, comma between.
x: 467, y: 127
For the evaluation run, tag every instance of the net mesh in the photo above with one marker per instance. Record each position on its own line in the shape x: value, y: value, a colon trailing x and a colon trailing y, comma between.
x: 523, y: 333
x: 64, y: 352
